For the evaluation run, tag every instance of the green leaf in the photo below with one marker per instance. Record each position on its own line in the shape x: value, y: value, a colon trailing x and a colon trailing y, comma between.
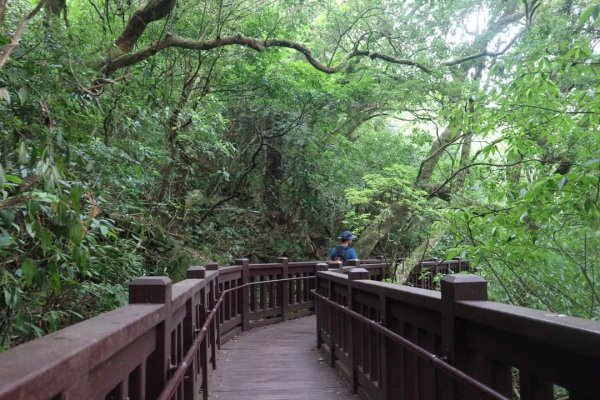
x: 76, y: 232
x: 453, y: 253
x: 22, y: 93
x: 30, y: 229
x: 591, y: 162
x: 562, y: 182
x: 588, y: 205
x: 7, y: 216
x: 54, y: 276
x: 523, y: 217
x: 43, y: 236
x: 7, y: 297
x: 6, y: 239
x: 24, y: 157
x: 28, y: 268
x: 587, y: 13
x: 76, y: 193
x: 44, y: 197
x: 14, y: 179
x: 4, y: 95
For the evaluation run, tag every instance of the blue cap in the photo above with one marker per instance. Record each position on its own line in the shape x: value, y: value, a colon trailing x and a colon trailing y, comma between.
x: 346, y: 235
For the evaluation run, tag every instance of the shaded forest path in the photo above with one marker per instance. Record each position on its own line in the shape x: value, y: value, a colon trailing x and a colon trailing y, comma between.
x: 277, y: 362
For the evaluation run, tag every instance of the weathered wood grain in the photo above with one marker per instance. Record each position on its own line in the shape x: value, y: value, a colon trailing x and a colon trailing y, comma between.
x: 289, y: 368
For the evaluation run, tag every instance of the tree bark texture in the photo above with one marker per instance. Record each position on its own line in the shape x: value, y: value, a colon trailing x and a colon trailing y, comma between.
x: 154, y: 10
x: 273, y: 171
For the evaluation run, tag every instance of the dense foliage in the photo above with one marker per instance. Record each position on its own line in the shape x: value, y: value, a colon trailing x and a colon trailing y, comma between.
x: 140, y: 137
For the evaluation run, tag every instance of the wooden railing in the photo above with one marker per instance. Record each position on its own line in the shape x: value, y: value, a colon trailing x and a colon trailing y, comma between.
x: 390, y: 341
x: 399, y: 342
x: 429, y: 273
x: 134, y: 351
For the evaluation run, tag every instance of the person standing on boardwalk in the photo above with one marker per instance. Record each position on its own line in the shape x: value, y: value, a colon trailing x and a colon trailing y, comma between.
x: 343, y: 251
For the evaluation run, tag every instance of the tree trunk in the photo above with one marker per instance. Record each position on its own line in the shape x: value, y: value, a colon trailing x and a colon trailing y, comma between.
x: 154, y: 10
x: 2, y: 10
x: 465, y: 159
x: 377, y: 230
x: 383, y: 224
x: 418, y: 254
x: 273, y: 172
x: 428, y: 165
x: 55, y: 7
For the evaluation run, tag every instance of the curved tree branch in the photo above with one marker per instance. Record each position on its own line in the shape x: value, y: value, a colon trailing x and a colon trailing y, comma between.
x: 16, y: 38
x: 460, y: 170
x: 171, y: 40
x: 152, y: 11
x: 484, y: 53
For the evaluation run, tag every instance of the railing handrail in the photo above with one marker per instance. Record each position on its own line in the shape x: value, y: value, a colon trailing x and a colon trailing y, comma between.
x: 47, y: 366
x: 433, y: 359
x: 480, y: 338
x: 79, y: 344
x: 558, y: 329
x: 227, y: 300
x: 181, y: 368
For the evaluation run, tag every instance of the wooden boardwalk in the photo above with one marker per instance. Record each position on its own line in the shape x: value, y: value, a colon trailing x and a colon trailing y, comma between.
x: 278, y: 362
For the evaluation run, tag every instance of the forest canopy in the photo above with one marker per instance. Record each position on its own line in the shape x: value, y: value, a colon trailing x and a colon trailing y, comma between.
x: 139, y: 137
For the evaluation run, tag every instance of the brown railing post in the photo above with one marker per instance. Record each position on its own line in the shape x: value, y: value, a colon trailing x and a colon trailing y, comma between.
x: 319, y: 310
x: 456, y: 288
x: 356, y: 345
x: 196, y: 273
x: 200, y: 273
x: 245, y: 263
x: 285, y: 288
x: 385, y: 268
x: 155, y: 290
x: 391, y: 353
x: 337, y: 265
x: 189, y: 328
x: 212, y: 266
x: 332, y: 322
x: 212, y: 297
x: 354, y: 263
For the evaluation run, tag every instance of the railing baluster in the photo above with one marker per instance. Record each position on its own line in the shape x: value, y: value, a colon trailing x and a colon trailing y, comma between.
x: 155, y: 290
x: 354, y: 343
x: 284, y: 287
x: 245, y: 293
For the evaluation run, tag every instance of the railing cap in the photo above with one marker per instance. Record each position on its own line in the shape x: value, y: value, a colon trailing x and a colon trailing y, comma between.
x: 150, y: 290
x: 212, y: 266
x: 355, y: 262
x: 196, y: 272
x: 355, y: 274
x: 463, y: 287
x: 322, y: 267
x: 463, y: 279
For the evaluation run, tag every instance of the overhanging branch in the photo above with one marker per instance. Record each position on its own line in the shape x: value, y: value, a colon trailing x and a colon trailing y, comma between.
x: 484, y: 53
x: 16, y: 38
x: 171, y: 40
x: 458, y: 171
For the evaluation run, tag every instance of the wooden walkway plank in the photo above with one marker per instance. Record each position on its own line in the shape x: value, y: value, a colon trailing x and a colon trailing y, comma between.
x: 277, y: 362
